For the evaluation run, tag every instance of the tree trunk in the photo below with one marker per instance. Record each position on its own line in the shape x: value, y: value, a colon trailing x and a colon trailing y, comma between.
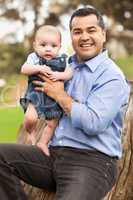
x: 123, y: 189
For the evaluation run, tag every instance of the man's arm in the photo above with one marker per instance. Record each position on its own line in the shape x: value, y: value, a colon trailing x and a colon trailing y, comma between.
x: 65, y: 101
x: 103, y: 104
x: 101, y: 107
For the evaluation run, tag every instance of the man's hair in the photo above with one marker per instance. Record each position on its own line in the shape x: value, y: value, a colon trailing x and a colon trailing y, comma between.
x: 82, y: 12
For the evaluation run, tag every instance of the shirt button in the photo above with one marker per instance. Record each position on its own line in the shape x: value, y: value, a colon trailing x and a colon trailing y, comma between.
x: 60, y: 142
x: 61, y: 128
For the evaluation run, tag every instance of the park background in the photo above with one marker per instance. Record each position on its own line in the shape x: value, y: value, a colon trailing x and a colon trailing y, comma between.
x: 18, y: 22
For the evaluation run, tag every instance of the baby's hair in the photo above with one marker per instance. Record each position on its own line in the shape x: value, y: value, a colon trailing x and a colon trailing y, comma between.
x: 49, y: 29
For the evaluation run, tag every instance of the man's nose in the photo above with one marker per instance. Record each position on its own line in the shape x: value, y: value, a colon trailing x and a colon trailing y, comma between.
x: 85, y: 36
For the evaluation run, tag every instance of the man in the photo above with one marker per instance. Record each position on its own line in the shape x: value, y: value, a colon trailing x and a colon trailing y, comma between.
x: 87, y: 141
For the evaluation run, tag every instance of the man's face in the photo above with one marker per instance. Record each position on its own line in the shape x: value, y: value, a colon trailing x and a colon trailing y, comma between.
x: 87, y: 37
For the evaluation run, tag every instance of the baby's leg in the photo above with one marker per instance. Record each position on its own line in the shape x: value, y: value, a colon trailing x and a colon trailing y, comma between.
x: 47, y: 135
x: 30, y: 121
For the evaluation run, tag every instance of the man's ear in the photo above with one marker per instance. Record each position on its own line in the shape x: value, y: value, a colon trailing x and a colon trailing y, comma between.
x: 104, y: 32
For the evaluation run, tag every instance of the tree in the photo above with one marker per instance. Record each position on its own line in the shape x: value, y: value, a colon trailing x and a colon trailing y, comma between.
x: 11, y: 10
x: 122, y: 9
x: 121, y: 12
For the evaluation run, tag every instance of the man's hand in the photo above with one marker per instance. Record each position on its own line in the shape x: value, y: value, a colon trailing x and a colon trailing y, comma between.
x: 56, y: 91
x: 52, y: 89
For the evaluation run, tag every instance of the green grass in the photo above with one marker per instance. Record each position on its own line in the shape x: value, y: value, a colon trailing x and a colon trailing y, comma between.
x: 126, y: 64
x: 10, y: 121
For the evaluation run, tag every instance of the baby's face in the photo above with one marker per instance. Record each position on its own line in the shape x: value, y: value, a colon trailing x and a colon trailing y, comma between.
x: 47, y: 44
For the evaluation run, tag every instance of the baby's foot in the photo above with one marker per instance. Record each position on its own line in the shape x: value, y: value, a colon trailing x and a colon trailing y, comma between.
x: 31, y: 139
x: 44, y: 148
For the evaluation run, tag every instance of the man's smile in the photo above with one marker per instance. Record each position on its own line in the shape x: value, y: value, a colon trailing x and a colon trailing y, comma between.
x: 86, y: 45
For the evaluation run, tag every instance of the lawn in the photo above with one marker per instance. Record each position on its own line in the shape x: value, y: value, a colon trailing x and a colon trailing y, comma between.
x: 126, y: 64
x: 10, y: 121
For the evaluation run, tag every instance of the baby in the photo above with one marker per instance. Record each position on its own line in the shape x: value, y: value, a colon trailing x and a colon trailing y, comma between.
x: 44, y: 60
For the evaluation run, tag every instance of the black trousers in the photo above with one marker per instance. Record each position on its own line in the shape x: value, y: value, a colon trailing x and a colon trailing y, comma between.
x: 74, y: 174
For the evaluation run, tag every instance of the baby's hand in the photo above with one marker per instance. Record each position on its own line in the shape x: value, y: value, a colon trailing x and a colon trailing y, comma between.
x: 55, y: 76
x: 45, y: 70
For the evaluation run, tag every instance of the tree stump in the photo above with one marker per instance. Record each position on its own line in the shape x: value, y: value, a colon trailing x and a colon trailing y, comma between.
x: 123, y: 189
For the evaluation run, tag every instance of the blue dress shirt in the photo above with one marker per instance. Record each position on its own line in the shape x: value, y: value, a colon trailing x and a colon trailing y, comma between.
x: 101, y: 95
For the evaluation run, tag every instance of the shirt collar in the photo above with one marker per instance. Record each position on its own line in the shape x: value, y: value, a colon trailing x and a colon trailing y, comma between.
x: 92, y: 63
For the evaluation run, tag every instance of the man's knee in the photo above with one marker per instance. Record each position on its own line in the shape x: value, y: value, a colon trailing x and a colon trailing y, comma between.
x: 7, y: 152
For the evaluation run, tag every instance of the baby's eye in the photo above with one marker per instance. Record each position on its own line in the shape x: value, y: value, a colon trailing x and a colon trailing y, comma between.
x: 54, y: 45
x: 43, y: 44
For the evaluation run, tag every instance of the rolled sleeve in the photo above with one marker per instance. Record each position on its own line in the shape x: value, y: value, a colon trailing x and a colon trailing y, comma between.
x: 83, y: 117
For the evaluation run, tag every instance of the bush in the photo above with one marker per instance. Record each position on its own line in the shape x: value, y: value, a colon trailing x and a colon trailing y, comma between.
x: 12, y: 57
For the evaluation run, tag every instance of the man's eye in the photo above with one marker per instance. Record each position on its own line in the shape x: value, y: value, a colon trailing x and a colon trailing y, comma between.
x: 91, y: 31
x: 76, y: 32
x: 43, y: 45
